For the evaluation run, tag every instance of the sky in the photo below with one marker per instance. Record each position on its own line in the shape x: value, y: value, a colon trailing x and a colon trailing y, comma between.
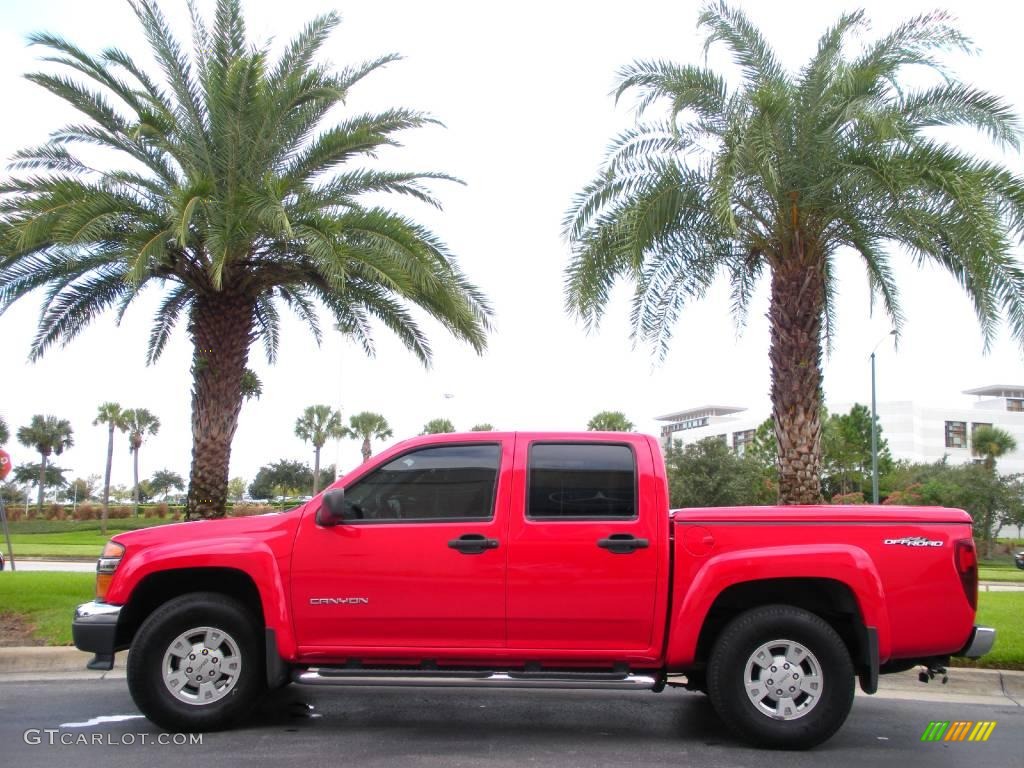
x: 523, y: 92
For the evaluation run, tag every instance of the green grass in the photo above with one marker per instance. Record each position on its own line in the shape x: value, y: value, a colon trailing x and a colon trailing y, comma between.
x: 74, y: 544
x: 69, y: 526
x: 1000, y: 572
x: 1005, y: 612
x: 46, y: 601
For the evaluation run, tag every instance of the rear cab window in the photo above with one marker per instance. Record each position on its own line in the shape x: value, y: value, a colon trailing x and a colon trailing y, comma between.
x: 581, y: 481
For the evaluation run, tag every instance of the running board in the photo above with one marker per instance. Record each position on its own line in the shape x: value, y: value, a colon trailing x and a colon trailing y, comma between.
x: 473, y: 678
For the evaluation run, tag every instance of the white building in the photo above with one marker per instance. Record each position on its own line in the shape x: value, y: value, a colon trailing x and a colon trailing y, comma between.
x: 915, y: 432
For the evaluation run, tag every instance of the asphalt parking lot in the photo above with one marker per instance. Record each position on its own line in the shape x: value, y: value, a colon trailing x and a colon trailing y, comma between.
x: 308, y: 727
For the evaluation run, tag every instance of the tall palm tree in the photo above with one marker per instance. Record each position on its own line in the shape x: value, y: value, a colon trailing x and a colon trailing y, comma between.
x: 989, y: 443
x: 235, y: 197
x: 48, y: 435
x: 784, y: 174
x: 5, y: 432
x: 138, y: 422
x: 367, y: 426
x: 317, y: 425
x: 610, y: 421
x: 112, y: 415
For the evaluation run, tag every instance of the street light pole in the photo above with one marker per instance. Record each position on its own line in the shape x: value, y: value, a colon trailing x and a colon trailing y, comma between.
x: 874, y: 435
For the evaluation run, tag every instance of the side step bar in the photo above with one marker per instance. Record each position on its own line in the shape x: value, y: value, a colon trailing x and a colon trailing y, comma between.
x: 473, y: 678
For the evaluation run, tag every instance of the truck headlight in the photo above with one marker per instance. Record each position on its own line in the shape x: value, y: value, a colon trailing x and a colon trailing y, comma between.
x: 106, y: 566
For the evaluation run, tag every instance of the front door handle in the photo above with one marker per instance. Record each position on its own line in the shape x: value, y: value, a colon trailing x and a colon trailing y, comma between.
x: 473, y: 544
x: 622, y: 543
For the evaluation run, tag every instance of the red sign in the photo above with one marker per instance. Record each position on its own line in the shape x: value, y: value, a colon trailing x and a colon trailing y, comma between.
x: 5, y: 464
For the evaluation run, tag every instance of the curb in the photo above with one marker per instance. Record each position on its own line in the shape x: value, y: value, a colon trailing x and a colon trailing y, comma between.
x: 19, y: 659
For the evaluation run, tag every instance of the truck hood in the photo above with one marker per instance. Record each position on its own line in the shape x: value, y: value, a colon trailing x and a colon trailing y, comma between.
x: 256, y: 526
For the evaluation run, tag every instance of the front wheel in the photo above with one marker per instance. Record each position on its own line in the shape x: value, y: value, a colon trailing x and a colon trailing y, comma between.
x: 196, y: 663
x: 781, y: 677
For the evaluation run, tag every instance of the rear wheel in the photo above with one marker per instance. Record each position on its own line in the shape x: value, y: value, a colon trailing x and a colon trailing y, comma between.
x: 196, y: 663
x: 781, y: 677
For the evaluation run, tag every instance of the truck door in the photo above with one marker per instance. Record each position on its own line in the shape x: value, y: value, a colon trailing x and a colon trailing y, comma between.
x: 424, y: 566
x: 584, y: 554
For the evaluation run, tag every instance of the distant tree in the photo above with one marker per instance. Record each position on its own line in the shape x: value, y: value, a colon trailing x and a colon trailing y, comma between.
x: 5, y: 432
x: 846, y: 451
x: 317, y: 425
x: 485, y: 427
x: 138, y: 422
x: 81, y: 489
x: 437, y: 427
x: 764, y: 447
x: 990, y: 443
x: 12, y: 494
x: 164, y: 480
x: 1013, y: 513
x: 112, y: 415
x: 30, y: 474
x: 120, y: 493
x: 236, y: 488
x: 48, y: 435
x: 291, y: 478
x: 367, y: 426
x: 709, y: 473
x: 610, y: 421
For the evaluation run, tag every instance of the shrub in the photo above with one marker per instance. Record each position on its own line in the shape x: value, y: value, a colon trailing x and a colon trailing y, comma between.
x: 121, y: 512
x: 87, y: 511
x: 848, y: 498
x: 246, y: 510
x: 55, y: 512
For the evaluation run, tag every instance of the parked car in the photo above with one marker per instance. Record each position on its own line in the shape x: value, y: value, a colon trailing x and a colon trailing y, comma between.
x: 1019, y: 559
x: 536, y: 560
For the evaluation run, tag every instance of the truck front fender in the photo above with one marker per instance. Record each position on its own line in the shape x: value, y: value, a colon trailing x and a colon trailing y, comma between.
x: 253, y: 558
x: 848, y: 565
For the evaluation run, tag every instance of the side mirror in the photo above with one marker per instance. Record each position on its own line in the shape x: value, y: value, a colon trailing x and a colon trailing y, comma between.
x: 332, y: 507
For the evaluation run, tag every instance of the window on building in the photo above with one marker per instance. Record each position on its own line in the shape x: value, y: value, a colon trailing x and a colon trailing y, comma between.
x: 581, y: 481
x: 740, y: 440
x: 1014, y: 404
x: 956, y: 434
x: 975, y: 425
x: 723, y: 438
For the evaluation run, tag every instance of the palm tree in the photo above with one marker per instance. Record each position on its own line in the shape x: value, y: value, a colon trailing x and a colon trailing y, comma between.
x: 317, y: 425
x: 112, y: 415
x: 610, y: 421
x: 5, y: 433
x: 48, y: 435
x: 989, y: 443
x: 367, y: 426
x: 437, y: 427
x: 138, y: 422
x: 783, y: 175
x: 235, y: 197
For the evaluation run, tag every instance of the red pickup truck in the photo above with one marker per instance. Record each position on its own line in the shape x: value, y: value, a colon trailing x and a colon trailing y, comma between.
x: 536, y: 560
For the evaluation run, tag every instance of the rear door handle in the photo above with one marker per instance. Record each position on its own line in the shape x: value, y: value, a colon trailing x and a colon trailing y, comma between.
x: 473, y: 544
x: 622, y: 543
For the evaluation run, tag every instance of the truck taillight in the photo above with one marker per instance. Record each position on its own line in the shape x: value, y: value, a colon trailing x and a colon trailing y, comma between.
x: 967, y: 566
x: 106, y: 566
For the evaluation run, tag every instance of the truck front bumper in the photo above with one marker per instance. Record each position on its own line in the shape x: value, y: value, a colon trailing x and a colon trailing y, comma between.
x: 979, y: 643
x: 95, y: 630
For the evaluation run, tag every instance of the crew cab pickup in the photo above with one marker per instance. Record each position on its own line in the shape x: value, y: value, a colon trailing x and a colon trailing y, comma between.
x: 536, y: 560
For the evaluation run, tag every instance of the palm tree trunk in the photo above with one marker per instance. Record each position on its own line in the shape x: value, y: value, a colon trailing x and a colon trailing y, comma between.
x: 135, y: 464
x: 42, y: 484
x: 221, y: 328
x: 366, y: 448
x: 316, y: 469
x: 106, y: 480
x: 795, y: 314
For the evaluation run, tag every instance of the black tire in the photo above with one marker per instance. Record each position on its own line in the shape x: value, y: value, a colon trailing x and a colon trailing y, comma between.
x: 153, y: 640
x: 727, y: 678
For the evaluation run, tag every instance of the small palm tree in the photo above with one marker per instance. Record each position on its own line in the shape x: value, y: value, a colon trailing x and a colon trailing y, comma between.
x: 783, y: 176
x: 437, y: 427
x: 138, y: 422
x: 112, y: 415
x: 317, y: 425
x: 367, y: 426
x: 485, y: 427
x: 164, y: 480
x: 989, y: 443
x: 610, y: 421
x: 48, y: 435
x: 233, y: 186
x: 5, y: 432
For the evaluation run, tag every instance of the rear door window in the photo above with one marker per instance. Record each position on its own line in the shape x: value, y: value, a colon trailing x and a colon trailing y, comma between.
x: 581, y: 481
